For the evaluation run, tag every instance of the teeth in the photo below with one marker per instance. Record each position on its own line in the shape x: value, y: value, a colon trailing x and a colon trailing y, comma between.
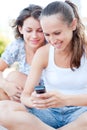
x: 57, y: 45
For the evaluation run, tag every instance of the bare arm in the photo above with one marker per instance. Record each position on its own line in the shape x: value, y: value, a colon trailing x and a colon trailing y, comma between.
x: 38, y: 64
x: 9, y: 87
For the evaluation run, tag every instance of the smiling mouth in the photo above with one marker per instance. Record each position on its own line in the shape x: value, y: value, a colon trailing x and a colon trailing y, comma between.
x: 58, y: 45
x: 35, y: 41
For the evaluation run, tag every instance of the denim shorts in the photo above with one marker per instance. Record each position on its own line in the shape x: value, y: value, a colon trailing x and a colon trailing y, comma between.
x: 58, y: 117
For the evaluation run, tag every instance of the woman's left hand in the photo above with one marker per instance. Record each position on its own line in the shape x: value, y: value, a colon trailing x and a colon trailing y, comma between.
x: 49, y: 100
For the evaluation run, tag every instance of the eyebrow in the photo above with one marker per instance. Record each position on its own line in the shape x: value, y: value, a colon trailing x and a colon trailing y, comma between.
x: 31, y: 28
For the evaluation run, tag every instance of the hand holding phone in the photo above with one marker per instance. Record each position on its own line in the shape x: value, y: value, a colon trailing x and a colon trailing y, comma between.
x: 40, y: 89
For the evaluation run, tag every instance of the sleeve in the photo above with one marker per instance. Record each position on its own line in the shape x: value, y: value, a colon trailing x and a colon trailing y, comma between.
x: 10, y: 55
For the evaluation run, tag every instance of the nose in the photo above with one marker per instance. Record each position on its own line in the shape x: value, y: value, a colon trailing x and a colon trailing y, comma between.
x: 34, y: 34
x: 52, y: 40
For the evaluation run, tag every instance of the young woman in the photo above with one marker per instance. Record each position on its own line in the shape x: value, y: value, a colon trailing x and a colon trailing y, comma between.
x: 29, y: 37
x: 64, y: 61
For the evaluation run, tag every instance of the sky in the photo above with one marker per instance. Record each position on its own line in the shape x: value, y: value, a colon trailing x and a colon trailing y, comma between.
x: 9, y: 9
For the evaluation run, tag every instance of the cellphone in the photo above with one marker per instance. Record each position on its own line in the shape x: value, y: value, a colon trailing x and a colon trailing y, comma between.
x: 40, y: 89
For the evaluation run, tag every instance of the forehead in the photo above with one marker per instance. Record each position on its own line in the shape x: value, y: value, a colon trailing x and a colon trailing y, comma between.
x: 31, y: 22
x: 52, y: 22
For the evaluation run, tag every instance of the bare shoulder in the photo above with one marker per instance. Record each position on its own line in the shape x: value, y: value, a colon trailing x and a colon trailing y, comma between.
x: 45, y: 47
x: 43, y: 50
x: 42, y: 54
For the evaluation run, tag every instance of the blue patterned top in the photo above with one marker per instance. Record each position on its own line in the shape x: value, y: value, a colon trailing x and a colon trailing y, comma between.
x: 15, y: 52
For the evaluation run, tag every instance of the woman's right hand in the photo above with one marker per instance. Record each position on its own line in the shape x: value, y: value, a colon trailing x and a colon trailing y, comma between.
x: 14, y: 91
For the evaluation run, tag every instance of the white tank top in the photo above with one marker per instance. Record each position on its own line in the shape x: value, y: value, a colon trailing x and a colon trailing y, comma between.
x: 64, y: 79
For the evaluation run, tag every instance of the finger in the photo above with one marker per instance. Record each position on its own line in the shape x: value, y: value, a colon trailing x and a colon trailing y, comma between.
x: 39, y: 106
x: 44, y: 101
x: 33, y: 93
x: 47, y: 103
x: 18, y: 94
x: 44, y: 95
x: 42, y: 106
x: 15, y: 98
x: 20, y: 88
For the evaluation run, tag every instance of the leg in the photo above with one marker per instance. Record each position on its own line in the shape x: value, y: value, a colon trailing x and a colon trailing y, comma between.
x: 79, y: 124
x: 18, y: 77
x: 3, y: 95
x: 19, y: 118
x: 13, y: 76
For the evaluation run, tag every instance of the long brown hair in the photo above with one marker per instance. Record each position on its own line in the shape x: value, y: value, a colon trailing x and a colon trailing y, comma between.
x: 68, y: 12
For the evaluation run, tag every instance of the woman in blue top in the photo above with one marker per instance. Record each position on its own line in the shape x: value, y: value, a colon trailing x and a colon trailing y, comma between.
x: 29, y: 37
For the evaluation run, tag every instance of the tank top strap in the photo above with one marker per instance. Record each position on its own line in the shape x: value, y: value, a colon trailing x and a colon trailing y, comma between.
x: 51, y: 56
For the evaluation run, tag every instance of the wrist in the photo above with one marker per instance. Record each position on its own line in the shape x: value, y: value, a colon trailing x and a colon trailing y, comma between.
x: 68, y: 100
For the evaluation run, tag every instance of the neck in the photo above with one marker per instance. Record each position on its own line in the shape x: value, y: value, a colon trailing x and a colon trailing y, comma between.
x: 29, y: 50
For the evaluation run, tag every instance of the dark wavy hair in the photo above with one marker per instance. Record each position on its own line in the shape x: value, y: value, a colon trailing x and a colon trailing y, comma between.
x: 30, y: 11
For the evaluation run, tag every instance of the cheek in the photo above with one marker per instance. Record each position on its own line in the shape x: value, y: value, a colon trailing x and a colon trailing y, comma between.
x: 26, y: 36
x: 68, y: 35
x: 42, y: 36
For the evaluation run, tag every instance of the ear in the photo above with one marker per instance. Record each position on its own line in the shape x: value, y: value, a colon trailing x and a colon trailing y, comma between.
x: 74, y: 24
x: 20, y: 29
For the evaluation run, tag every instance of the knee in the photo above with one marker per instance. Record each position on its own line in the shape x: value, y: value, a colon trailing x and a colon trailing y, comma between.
x: 17, y: 77
x: 12, y: 76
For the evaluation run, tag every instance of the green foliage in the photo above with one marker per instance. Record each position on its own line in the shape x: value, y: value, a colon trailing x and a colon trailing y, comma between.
x: 3, y: 43
x: 2, y: 47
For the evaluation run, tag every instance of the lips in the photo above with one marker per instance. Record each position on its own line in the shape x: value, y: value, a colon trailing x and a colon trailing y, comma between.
x: 34, y: 41
x: 57, y: 45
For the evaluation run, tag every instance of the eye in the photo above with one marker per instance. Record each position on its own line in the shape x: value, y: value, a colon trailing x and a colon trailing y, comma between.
x: 45, y: 34
x: 28, y: 30
x: 57, y: 33
x: 40, y: 30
